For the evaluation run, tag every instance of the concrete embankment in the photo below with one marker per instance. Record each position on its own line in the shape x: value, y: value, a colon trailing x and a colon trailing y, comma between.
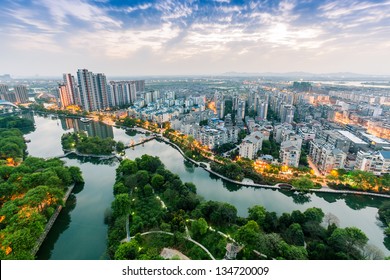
x: 50, y: 223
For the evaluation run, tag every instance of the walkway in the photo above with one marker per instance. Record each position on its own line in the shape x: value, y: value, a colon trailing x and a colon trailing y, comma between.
x: 187, y: 238
x: 245, y: 182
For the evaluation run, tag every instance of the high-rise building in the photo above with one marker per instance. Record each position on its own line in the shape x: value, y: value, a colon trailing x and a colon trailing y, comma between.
x: 65, y: 97
x: 4, y: 91
x: 101, y: 91
x: 262, y: 110
x: 287, y: 113
x: 21, y: 94
x: 93, y: 90
x: 122, y: 93
x: 240, y: 110
x: 140, y: 85
x: 72, y: 89
x: 87, y: 91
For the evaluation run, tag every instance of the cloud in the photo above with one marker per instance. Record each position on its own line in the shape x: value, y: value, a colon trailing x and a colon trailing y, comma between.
x: 124, y: 43
x: 173, y: 31
x: 62, y: 11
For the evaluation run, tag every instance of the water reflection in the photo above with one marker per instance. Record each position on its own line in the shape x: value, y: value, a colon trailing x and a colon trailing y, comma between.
x: 297, y: 197
x: 62, y: 223
x: 189, y: 167
x: 91, y: 128
x: 230, y: 186
x: 93, y: 160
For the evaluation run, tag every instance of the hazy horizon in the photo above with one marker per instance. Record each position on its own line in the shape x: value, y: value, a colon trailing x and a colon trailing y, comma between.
x: 194, y: 37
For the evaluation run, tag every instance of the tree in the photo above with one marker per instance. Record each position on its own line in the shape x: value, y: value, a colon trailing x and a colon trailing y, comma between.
x: 127, y: 167
x: 350, y: 241
x: 142, y: 177
x: 121, y: 205
x: 128, y: 251
x: 199, y: 227
x: 294, y: 235
x: 149, y: 163
x: 270, y: 222
x: 120, y: 188
x: 371, y: 252
x: 157, y: 181
x: 119, y: 146
x: 331, y: 219
x: 248, y: 234
x: 257, y: 213
x: 302, y: 183
x: 314, y: 214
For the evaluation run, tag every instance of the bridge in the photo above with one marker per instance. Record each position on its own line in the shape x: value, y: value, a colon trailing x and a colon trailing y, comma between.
x: 7, y: 103
x: 140, y: 142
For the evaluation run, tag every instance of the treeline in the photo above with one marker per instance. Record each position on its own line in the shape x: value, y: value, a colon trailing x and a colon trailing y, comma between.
x: 357, y: 180
x: 24, y: 125
x: 29, y: 195
x: 384, y: 216
x: 90, y: 145
x: 12, y: 145
x: 150, y: 198
x: 243, y: 168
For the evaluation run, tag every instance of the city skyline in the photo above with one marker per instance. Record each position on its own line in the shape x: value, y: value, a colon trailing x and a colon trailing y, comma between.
x: 191, y: 37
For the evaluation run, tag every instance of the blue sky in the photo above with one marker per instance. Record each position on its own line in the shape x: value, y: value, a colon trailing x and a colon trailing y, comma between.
x: 49, y: 37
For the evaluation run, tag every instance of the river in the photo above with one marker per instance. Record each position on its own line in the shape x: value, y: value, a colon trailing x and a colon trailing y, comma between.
x: 80, y: 233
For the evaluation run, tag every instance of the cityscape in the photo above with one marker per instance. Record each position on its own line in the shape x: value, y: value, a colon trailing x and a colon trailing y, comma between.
x: 232, y: 161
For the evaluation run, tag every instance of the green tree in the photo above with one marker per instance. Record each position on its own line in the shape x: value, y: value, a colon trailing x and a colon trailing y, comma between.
x: 350, y: 241
x: 157, y: 181
x: 303, y: 183
x: 248, y: 234
x: 294, y: 235
x: 128, y: 251
x: 199, y: 227
x: 258, y: 214
x: 121, y: 205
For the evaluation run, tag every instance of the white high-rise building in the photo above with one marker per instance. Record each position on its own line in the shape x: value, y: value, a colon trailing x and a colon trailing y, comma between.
x: 262, y: 109
x: 93, y: 90
x: 240, y: 109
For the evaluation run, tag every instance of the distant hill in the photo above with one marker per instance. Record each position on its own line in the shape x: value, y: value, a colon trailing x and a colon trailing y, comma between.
x: 5, y: 77
x: 306, y: 75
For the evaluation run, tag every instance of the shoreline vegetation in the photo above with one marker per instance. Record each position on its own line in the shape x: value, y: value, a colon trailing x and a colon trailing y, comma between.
x: 32, y: 191
x: 30, y: 194
x: 159, y: 211
x: 90, y: 146
x: 339, y: 181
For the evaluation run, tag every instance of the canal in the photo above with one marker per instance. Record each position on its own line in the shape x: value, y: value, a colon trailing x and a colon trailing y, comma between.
x: 80, y: 232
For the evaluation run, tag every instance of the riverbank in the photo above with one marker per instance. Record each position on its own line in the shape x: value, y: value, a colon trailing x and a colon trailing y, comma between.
x: 51, y: 222
x: 248, y: 183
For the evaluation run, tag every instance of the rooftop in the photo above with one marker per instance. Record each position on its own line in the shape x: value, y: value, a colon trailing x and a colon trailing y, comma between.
x: 375, y: 139
x: 385, y: 154
x: 351, y: 137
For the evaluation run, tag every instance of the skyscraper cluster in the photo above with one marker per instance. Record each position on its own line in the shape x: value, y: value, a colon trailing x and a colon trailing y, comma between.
x: 93, y: 93
x: 19, y: 94
x: 282, y: 104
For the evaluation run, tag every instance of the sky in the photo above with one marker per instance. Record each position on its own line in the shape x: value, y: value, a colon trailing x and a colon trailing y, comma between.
x: 193, y: 37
